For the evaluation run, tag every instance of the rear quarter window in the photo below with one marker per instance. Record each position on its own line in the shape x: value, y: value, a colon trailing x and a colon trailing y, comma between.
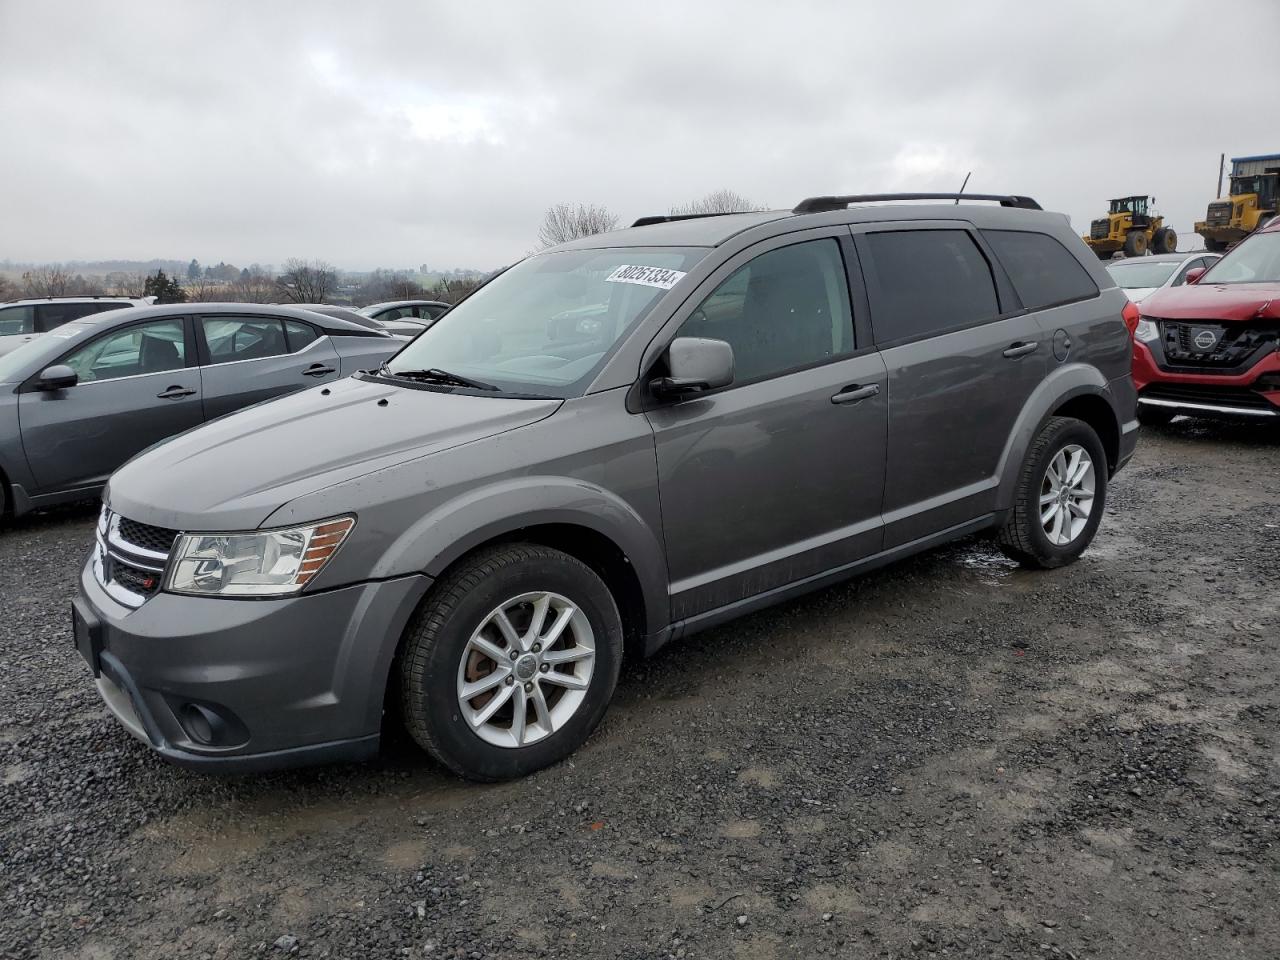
x: 1043, y: 271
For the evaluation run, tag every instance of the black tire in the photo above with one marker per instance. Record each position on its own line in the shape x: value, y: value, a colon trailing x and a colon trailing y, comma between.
x: 1135, y: 244
x: 1023, y: 538
x: 1214, y: 246
x: 437, y: 640
x: 1154, y: 416
x: 1165, y: 240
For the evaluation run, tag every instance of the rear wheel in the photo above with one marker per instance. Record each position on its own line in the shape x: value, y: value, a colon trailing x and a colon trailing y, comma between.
x: 1135, y: 244
x: 1154, y: 416
x: 511, y: 663
x: 1165, y: 240
x: 1060, y: 496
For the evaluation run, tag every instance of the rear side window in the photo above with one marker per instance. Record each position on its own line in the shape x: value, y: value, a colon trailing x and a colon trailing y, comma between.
x: 300, y: 334
x: 243, y: 338
x: 54, y: 315
x: 925, y: 282
x: 1043, y: 271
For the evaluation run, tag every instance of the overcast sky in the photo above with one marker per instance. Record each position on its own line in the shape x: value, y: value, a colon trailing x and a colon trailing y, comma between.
x: 401, y: 133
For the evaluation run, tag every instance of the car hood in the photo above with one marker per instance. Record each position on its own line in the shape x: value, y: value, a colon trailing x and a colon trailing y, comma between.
x: 232, y: 473
x: 1216, y: 301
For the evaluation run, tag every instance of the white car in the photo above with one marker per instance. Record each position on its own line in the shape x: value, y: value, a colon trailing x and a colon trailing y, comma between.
x: 1139, y: 277
x: 24, y: 320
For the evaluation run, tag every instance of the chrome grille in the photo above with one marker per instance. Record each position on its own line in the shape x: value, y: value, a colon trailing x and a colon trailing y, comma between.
x: 1219, y: 214
x: 130, y: 558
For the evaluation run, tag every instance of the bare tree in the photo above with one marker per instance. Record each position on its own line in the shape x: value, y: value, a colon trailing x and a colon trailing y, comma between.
x: 308, y: 281
x: 254, y: 285
x: 204, y: 289
x: 8, y: 289
x: 50, y: 281
x: 567, y: 221
x: 451, y: 290
x: 121, y: 284
x: 718, y: 201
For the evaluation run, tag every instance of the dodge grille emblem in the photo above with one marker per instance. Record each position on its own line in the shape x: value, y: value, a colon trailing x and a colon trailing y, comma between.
x: 1205, y: 339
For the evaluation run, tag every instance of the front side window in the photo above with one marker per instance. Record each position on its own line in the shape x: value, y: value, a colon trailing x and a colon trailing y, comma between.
x: 926, y: 282
x: 786, y: 309
x: 243, y: 338
x: 548, y: 324
x: 1256, y: 260
x: 17, y: 320
x: 145, y: 348
x: 1043, y: 271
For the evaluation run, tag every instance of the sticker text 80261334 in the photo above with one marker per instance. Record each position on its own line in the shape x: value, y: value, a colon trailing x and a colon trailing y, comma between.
x: 646, y: 276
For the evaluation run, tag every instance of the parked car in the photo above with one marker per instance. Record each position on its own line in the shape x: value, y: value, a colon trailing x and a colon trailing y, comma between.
x: 78, y: 402
x: 1209, y: 348
x: 424, y: 312
x: 470, y: 536
x: 24, y: 320
x: 407, y: 329
x: 1139, y: 277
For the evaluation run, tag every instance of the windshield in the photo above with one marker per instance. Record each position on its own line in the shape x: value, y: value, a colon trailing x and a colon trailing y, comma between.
x: 1256, y: 260
x: 1136, y: 275
x: 1136, y: 205
x: 546, y: 325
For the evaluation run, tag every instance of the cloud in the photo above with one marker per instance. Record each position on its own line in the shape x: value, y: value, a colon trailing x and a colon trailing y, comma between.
x: 404, y: 133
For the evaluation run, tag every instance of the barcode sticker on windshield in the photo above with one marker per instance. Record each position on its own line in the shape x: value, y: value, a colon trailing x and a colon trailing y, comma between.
x: 646, y: 276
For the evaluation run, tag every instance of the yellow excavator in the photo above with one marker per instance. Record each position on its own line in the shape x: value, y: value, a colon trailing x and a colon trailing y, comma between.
x: 1131, y: 226
x: 1252, y: 203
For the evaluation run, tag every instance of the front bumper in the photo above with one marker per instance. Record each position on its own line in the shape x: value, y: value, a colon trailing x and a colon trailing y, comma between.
x: 1206, y: 394
x: 248, y: 685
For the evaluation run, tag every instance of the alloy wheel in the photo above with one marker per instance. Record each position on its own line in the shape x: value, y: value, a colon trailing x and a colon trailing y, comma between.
x: 526, y: 669
x: 1066, y: 494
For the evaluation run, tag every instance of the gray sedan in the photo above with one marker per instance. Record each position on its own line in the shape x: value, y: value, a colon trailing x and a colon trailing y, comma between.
x: 79, y: 401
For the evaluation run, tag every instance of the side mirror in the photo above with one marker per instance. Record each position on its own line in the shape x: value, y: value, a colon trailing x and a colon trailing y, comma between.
x: 696, y: 364
x: 57, y: 377
x: 1193, y: 275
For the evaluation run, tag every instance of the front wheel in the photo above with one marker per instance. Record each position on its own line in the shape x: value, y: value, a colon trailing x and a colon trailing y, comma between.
x: 1059, y: 498
x: 511, y: 662
x: 1135, y: 244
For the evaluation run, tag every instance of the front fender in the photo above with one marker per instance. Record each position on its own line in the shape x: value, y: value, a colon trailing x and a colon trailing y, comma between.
x: 1062, y: 384
x: 440, y: 537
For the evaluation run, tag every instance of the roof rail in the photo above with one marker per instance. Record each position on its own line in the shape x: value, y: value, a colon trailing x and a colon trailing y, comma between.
x: 826, y: 204
x: 669, y: 218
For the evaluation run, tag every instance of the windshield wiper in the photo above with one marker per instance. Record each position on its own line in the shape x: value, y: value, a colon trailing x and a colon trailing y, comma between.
x: 436, y: 375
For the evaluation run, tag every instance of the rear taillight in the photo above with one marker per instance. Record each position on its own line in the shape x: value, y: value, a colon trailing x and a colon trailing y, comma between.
x: 1131, y: 316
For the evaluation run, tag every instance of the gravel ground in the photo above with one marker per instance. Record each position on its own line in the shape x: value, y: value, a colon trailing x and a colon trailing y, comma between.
x: 950, y: 757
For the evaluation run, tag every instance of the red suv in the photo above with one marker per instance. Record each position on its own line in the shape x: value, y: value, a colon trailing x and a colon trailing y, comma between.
x: 1212, y: 346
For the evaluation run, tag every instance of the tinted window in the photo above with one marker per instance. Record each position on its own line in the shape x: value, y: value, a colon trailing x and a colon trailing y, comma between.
x: 785, y: 309
x: 299, y: 334
x: 1043, y: 271
x: 243, y: 338
x: 54, y: 315
x: 16, y: 320
x: 926, y: 282
x: 145, y: 348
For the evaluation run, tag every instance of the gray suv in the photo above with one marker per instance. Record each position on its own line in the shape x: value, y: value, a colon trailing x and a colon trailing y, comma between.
x: 746, y: 408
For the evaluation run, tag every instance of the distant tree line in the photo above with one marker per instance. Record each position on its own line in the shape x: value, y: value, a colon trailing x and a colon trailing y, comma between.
x: 572, y: 221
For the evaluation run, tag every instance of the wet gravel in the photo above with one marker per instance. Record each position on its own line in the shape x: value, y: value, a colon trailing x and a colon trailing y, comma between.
x: 950, y: 757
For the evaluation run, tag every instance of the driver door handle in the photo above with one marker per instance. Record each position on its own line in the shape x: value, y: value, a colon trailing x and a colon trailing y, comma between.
x: 318, y: 370
x: 855, y: 393
x: 175, y: 392
x: 1020, y: 349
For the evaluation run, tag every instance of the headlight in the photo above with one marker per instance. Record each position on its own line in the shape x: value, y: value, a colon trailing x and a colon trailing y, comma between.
x: 263, y: 563
x: 1146, y: 331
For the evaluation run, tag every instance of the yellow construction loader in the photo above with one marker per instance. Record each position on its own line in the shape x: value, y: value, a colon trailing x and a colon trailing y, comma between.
x: 1252, y: 203
x: 1130, y: 226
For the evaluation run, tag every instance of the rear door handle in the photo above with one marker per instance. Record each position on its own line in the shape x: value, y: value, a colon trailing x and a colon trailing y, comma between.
x: 855, y: 393
x: 318, y: 370
x: 1020, y: 349
x: 175, y: 392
